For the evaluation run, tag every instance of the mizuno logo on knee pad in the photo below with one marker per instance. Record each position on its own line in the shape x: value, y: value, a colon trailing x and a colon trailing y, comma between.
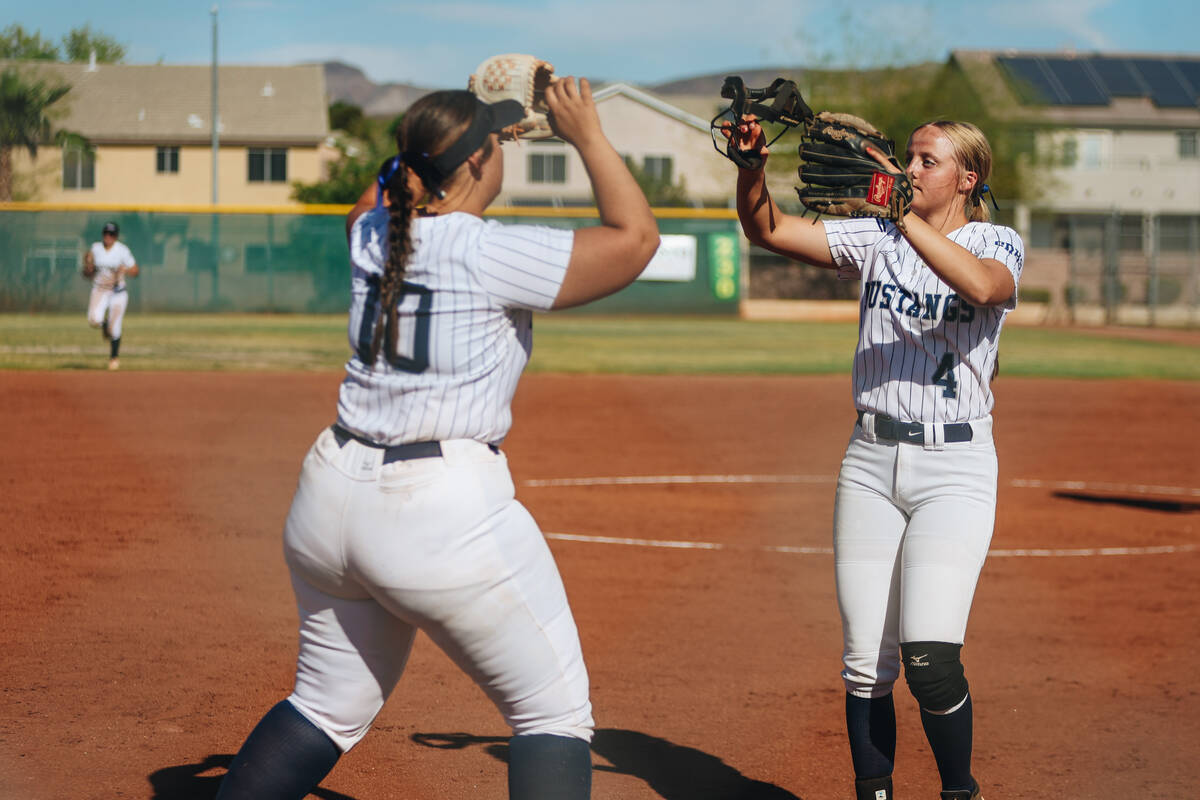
x: 934, y: 673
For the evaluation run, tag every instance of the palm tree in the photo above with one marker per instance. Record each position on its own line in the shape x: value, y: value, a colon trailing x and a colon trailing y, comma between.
x: 24, y: 120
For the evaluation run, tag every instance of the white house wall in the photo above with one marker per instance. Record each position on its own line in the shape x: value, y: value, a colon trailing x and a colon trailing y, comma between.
x: 636, y: 130
x: 1139, y: 171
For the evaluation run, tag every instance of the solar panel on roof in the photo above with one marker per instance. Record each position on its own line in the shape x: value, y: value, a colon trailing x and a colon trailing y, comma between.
x: 1117, y: 76
x: 1077, y: 82
x: 1165, y: 89
x: 1030, y: 80
x: 1191, y: 73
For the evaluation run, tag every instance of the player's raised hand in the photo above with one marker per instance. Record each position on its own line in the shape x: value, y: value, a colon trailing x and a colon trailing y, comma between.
x: 573, y: 116
x: 746, y: 136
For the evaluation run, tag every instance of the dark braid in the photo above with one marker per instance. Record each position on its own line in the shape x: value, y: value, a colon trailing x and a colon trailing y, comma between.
x: 398, y: 251
x: 429, y: 126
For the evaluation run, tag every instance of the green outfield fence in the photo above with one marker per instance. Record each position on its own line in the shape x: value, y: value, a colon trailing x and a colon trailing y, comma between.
x: 294, y: 258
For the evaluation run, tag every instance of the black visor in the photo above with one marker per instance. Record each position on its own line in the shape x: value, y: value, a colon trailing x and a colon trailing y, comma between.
x: 489, y: 118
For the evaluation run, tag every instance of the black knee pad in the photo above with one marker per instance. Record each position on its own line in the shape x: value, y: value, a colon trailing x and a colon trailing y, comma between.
x: 934, y: 674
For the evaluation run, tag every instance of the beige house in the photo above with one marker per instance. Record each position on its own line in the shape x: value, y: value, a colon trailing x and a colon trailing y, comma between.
x: 1114, y: 140
x: 661, y: 139
x: 150, y: 127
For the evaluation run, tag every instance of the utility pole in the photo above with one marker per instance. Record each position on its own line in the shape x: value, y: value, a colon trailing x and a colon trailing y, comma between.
x: 216, y: 150
x: 216, y: 136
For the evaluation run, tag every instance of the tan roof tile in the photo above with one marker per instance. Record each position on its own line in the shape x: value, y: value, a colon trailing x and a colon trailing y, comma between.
x: 169, y: 104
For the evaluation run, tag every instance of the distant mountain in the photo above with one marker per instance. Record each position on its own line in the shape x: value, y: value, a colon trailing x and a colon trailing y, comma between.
x: 711, y: 83
x: 348, y: 84
x: 700, y: 94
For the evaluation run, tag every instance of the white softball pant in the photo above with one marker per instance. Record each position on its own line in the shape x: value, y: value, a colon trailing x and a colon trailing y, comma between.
x: 378, y: 551
x: 912, y: 525
x: 112, y: 301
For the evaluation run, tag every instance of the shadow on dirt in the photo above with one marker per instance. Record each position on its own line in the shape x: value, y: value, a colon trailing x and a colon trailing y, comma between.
x: 673, y: 771
x: 1148, y: 503
x: 201, y: 780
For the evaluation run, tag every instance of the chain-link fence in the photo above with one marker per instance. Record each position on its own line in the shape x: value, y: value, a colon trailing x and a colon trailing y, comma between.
x: 1133, y: 270
x: 1084, y: 269
x: 298, y: 261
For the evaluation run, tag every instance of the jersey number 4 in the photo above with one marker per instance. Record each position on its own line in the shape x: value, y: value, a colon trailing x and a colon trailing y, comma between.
x: 419, y: 360
x: 944, y: 376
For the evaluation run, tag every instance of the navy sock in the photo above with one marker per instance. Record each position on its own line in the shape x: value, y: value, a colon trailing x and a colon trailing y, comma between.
x: 542, y: 766
x: 949, y: 737
x: 114, y: 347
x: 284, y: 758
x: 871, y: 728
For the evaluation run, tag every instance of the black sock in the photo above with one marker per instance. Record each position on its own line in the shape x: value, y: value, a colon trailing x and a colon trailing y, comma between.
x: 114, y: 347
x: 284, y: 758
x: 949, y: 737
x: 871, y: 728
x: 542, y: 766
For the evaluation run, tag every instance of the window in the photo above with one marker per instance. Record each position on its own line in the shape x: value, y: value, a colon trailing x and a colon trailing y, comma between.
x: 1129, y: 233
x: 268, y: 165
x: 1092, y: 150
x: 167, y: 160
x: 79, y: 169
x: 547, y: 168
x: 1087, y: 150
x: 1070, y: 152
x: 657, y: 167
x: 1178, y: 234
x: 1189, y: 147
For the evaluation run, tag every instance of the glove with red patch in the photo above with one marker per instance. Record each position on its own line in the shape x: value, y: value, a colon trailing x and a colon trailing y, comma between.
x: 842, y: 179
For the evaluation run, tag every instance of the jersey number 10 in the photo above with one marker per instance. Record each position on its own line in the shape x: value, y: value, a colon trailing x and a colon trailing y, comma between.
x: 418, y: 362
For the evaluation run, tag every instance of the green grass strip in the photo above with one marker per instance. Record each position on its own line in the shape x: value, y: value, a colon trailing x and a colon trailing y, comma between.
x: 563, y: 343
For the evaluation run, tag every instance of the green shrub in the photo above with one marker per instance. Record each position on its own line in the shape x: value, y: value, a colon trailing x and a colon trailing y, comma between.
x: 1074, y: 294
x: 1169, y: 290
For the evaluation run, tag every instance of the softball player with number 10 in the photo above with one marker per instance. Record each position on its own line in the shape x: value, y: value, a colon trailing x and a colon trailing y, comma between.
x: 404, y: 518
x: 916, y: 496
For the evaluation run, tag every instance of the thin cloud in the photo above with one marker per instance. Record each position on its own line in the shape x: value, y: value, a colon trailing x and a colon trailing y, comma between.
x: 1071, y: 20
x: 433, y: 65
x: 665, y: 24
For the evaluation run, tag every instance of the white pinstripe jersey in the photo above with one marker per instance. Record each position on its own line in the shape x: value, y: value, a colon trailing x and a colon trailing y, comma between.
x: 465, y: 326
x: 107, y: 262
x: 924, y: 354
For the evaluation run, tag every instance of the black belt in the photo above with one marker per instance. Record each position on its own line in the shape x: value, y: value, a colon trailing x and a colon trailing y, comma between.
x: 396, y: 452
x: 888, y: 428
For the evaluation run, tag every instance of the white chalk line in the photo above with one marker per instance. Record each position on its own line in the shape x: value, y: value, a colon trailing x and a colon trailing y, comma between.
x: 1024, y: 483
x: 1074, y: 552
x: 659, y: 480
x: 1019, y: 483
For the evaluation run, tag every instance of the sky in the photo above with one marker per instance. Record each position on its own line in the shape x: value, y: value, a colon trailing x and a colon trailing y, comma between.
x: 645, y: 42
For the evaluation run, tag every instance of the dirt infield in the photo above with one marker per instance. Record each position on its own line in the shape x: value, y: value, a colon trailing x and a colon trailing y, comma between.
x: 148, y: 621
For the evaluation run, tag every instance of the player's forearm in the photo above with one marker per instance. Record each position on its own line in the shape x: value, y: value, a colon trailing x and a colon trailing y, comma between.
x: 767, y: 226
x: 620, y: 202
x: 756, y: 210
x: 608, y: 257
x: 971, y: 278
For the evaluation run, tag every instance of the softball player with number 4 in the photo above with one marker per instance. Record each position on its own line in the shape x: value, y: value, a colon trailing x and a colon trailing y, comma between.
x: 916, y: 496
x: 404, y: 517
